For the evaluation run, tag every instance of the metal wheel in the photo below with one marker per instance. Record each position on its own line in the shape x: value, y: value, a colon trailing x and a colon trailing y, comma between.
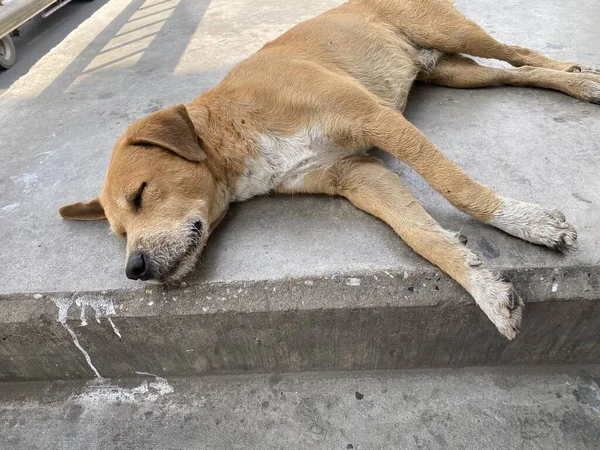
x: 8, y: 54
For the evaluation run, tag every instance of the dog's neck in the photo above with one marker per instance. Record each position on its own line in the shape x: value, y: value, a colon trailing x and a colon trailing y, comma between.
x: 229, y: 137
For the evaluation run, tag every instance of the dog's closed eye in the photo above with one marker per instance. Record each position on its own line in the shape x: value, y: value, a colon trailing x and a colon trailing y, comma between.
x: 137, y: 201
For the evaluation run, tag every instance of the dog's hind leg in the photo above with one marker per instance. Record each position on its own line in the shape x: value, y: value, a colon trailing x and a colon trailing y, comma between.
x: 370, y: 186
x: 389, y: 130
x: 439, y: 25
x: 461, y: 72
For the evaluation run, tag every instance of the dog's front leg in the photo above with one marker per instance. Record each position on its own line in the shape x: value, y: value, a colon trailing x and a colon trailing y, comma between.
x: 390, y: 131
x: 370, y: 186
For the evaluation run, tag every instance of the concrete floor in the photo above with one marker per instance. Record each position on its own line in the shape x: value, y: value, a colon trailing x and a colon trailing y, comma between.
x: 132, y: 57
x: 543, y: 408
x: 39, y: 36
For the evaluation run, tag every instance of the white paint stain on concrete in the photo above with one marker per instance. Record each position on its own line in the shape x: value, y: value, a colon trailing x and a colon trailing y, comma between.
x: 63, y: 305
x: 159, y: 384
x: 85, y: 353
x: 353, y: 281
x: 101, y: 393
x: 101, y: 307
x: 114, y: 327
x: 9, y: 208
x: 45, y: 156
x: 28, y: 180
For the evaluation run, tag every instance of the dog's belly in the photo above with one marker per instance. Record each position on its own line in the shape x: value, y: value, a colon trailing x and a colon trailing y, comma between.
x: 382, y: 61
x: 283, y: 162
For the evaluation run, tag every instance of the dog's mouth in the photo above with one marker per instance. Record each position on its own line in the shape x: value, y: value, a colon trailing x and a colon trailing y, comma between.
x: 184, y: 261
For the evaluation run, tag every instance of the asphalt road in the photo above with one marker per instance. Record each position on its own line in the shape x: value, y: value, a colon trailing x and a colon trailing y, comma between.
x: 39, y: 36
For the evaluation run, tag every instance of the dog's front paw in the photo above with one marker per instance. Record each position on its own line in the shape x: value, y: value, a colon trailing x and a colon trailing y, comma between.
x: 498, y: 300
x: 549, y: 227
x: 535, y: 224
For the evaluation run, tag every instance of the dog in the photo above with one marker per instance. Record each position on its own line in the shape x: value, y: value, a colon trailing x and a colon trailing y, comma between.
x: 298, y: 117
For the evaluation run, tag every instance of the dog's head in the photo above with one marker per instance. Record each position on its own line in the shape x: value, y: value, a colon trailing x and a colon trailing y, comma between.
x: 159, y: 194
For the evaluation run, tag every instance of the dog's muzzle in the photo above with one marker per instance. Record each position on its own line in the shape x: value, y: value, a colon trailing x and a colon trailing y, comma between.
x: 142, y: 264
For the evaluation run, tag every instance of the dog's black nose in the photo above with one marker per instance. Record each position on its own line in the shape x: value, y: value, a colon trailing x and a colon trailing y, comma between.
x: 137, y: 267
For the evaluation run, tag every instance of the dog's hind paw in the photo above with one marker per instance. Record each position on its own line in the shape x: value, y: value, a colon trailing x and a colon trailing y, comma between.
x: 592, y: 92
x: 535, y: 224
x: 584, y: 83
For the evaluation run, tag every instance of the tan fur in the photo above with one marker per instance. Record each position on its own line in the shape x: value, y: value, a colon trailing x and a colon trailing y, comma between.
x: 294, y: 116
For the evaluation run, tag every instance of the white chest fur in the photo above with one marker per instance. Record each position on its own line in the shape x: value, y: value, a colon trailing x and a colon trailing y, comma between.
x: 285, y: 160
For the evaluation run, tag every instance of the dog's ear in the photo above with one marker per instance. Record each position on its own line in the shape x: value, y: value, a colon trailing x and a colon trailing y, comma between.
x: 91, y: 210
x: 170, y: 128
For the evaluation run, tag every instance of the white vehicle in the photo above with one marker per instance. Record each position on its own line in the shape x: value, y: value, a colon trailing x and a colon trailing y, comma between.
x: 13, y: 14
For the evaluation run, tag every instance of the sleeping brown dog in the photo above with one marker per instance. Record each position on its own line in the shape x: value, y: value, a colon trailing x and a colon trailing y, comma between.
x: 298, y: 116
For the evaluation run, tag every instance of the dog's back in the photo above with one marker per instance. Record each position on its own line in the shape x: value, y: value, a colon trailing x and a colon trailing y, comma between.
x: 348, y: 42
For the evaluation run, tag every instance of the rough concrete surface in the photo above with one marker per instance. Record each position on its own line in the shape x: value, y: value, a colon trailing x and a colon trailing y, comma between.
x: 131, y: 57
x: 545, y: 408
x: 40, y: 35
x: 62, y: 119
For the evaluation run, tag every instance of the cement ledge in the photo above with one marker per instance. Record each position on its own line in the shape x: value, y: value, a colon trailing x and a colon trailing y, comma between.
x: 369, y: 321
x: 529, y: 144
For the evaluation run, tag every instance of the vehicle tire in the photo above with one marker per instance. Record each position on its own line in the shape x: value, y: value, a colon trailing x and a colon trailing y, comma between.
x: 8, y: 54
